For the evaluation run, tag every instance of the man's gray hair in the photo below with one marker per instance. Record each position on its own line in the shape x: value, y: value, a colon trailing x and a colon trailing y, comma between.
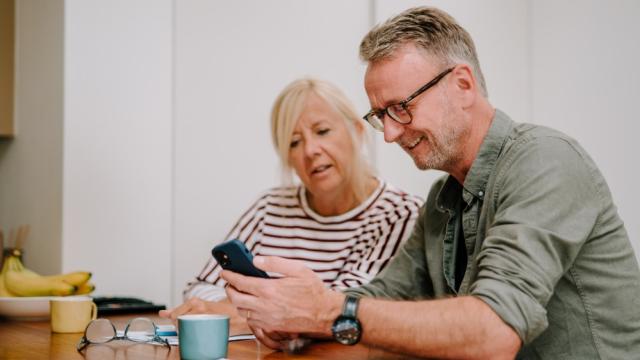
x: 429, y: 29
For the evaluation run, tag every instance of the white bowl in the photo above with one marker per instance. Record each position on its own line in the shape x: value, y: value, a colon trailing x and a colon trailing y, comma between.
x: 25, y: 308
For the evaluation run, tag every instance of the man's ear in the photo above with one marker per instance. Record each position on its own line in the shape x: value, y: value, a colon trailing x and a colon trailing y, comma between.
x: 465, y: 85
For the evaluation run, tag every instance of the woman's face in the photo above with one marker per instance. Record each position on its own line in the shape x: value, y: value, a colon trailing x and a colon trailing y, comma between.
x: 321, y: 150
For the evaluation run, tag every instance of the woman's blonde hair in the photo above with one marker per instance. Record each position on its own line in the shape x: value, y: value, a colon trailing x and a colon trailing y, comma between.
x: 286, y: 111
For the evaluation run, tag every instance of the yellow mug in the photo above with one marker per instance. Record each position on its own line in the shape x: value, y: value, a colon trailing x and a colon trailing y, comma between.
x: 72, y: 314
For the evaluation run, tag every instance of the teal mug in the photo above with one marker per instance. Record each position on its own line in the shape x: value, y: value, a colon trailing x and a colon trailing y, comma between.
x: 203, y: 336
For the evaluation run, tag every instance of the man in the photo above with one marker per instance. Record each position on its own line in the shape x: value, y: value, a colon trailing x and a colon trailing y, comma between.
x: 519, y: 251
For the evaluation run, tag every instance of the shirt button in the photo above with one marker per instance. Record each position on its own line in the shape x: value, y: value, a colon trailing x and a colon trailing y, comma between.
x: 481, y: 193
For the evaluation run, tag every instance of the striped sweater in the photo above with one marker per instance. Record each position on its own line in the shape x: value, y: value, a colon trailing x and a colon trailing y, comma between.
x: 345, y: 251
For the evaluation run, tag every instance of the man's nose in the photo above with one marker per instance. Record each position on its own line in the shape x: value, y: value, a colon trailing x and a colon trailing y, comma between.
x: 392, y: 130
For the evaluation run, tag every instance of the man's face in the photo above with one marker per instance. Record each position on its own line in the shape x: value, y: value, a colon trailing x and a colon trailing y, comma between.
x: 437, y: 132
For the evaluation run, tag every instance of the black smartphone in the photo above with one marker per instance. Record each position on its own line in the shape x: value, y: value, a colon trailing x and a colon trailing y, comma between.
x: 233, y: 255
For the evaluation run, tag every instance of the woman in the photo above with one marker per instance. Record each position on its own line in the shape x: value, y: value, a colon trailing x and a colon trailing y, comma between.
x: 341, y: 221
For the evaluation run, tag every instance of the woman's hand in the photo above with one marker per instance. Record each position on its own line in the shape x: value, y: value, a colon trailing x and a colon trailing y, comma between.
x: 198, y: 306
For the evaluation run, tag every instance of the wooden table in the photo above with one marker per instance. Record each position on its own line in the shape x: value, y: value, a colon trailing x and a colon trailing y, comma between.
x: 34, y: 340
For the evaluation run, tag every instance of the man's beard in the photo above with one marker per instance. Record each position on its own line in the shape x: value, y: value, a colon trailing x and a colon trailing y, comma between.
x: 445, y: 143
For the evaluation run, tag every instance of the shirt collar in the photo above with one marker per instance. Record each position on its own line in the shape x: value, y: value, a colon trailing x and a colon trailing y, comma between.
x: 476, y: 180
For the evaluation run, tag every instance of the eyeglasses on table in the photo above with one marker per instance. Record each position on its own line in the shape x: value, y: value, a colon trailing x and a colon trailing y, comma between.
x: 139, y: 330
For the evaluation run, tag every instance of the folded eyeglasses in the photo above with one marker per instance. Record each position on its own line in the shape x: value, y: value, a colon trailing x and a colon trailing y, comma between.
x: 102, y: 331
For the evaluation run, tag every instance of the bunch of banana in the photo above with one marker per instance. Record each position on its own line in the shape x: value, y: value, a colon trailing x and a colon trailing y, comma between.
x: 16, y: 280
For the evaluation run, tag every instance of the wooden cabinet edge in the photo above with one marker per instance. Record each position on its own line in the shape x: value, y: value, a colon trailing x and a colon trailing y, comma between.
x: 7, y: 74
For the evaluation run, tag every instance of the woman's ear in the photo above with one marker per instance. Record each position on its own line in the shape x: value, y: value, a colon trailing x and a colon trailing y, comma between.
x: 360, y: 129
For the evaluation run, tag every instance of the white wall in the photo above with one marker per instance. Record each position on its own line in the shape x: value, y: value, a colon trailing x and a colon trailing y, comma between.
x: 585, y: 78
x: 118, y: 144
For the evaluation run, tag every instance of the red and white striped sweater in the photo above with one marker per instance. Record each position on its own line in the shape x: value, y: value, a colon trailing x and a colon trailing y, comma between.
x: 346, y: 250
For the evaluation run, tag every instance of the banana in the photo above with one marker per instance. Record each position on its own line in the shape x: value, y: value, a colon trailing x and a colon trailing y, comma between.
x: 3, y: 289
x: 75, y: 278
x: 23, y: 285
x: 16, y: 280
x: 4, y: 292
x: 28, y: 283
x: 85, y: 288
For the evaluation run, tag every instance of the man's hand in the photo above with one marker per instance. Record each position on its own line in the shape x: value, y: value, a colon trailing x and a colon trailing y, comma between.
x: 298, y: 302
x: 274, y: 340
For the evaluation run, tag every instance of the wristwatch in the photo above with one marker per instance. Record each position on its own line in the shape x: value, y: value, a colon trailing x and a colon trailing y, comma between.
x: 346, y: 328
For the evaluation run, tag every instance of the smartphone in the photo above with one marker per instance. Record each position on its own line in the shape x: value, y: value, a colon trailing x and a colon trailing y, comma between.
x: 233, y: 255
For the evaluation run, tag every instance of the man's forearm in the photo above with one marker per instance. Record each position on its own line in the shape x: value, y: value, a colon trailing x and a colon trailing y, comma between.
x: 463, y: 327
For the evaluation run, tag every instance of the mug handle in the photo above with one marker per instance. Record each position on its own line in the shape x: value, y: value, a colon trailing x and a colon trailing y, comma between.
x: 94, y: 311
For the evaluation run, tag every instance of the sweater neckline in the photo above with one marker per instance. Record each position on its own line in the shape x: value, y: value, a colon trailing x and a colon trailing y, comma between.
x: 302, y: 197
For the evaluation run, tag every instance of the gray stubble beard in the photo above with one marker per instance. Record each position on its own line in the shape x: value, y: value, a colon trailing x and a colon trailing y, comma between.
x: 445, y: 146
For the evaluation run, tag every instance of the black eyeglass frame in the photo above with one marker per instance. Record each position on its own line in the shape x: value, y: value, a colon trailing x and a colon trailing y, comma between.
x: 84, y: 342
x: 381, y: 113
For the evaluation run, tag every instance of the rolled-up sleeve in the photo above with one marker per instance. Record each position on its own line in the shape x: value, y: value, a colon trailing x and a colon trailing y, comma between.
x: 546, y: 205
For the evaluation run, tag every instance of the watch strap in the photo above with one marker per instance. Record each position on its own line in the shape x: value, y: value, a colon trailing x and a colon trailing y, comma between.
x: 350, y: 307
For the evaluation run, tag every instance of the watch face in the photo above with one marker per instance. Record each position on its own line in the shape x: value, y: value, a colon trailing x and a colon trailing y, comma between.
x: 346, y: 330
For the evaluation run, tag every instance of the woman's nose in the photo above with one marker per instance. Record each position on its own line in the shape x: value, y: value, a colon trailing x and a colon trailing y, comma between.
x: 311, y: 147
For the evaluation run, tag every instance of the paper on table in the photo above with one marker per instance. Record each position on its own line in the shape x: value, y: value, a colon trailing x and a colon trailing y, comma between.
x: 169, y: 333
x: 173, y: 340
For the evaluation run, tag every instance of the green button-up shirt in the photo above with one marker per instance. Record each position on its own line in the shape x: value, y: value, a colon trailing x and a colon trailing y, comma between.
x: 546, y: 248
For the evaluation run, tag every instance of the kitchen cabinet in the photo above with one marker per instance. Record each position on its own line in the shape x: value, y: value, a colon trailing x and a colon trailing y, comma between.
x: 7, y: 21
